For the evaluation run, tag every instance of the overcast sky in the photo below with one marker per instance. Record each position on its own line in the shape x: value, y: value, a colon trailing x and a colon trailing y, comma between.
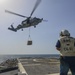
x: 59, y: 13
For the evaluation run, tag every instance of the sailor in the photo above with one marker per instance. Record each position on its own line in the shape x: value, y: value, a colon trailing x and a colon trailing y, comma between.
x: 66, y: 46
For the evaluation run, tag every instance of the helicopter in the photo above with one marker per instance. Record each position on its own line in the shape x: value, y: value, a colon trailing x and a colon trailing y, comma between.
x: 29, y: 21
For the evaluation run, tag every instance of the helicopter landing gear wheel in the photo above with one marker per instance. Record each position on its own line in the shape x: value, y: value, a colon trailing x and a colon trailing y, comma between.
x: 34, y: 26
x: 22, y: 29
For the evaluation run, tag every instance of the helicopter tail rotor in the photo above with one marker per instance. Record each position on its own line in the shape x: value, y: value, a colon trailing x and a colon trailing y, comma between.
x: 12, y: 28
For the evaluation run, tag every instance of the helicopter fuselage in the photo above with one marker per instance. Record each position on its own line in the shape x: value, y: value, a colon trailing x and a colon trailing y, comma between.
x: 33, y: 22
x: 29, y: 21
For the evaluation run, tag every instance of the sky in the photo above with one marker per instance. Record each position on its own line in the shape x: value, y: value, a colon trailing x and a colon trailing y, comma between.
x: 59, y: 13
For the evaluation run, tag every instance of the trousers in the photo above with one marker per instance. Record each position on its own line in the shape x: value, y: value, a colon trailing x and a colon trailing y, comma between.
x: 66, y: 63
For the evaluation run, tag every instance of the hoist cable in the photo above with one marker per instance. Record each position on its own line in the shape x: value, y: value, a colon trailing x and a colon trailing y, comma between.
x: 29, y: 34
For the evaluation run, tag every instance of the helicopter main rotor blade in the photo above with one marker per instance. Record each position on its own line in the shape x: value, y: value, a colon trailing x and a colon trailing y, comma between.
x: 36, y: 5
x: 45, y: 20
x: 15, y: 14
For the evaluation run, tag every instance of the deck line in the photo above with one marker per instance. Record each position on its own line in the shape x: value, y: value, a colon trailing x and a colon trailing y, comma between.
x: 21, y: 68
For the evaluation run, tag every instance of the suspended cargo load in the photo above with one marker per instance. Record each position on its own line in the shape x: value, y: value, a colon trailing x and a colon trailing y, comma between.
x: 29, y: 42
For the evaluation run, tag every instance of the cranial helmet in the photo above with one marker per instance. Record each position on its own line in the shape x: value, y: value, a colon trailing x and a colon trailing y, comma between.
x: 64, y: 33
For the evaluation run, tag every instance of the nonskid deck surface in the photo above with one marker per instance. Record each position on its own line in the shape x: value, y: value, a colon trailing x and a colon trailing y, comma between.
x: 40, y: 66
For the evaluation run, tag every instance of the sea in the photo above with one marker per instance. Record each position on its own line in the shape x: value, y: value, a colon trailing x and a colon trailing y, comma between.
x: 5, y: 57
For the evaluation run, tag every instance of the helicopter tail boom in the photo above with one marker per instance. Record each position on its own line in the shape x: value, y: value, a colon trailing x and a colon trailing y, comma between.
x: 12, y: 28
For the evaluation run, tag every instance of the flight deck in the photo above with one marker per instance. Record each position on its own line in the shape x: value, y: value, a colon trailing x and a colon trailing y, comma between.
x: 38, y: 66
